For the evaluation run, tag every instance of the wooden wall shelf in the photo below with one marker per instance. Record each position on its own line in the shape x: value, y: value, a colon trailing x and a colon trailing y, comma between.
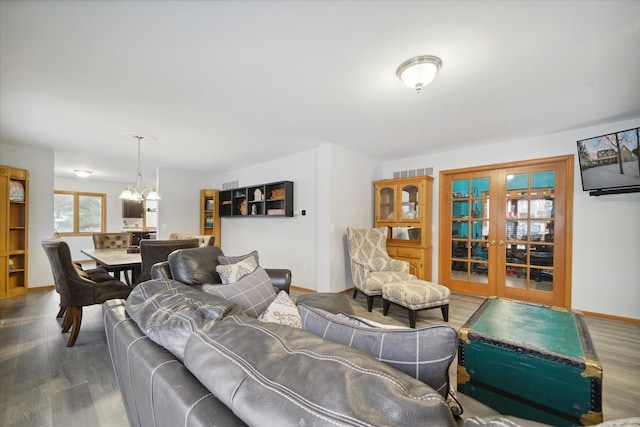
x: 274, y: 200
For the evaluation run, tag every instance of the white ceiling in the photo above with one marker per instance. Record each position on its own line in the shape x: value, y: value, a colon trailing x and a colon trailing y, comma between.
x: 223, y: 85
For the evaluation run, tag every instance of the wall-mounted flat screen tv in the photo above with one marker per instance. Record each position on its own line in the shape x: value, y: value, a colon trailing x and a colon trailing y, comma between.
x: 610, y: 164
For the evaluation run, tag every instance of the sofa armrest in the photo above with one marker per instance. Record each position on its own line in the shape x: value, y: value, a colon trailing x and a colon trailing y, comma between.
x: 280, y: 277
x: 161, y: 270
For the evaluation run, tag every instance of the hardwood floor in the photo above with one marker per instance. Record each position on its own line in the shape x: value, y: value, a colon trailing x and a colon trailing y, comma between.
x: 44, y: 383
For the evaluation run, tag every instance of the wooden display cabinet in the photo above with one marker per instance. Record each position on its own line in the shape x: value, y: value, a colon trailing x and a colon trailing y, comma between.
x: 209, y: 217
x: 404, y: 205
x: 14, y: 231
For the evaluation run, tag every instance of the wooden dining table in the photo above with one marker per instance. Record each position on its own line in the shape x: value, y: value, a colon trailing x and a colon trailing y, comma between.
x: 117, y: 259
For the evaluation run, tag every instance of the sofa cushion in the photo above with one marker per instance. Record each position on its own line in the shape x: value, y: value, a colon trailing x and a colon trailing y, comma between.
x: 231, y: 273
x: 271, y: 374
x: 195, y: 266
x: 283, y: 311
x: 424, y: 353
x: 226, y: 260
x: 168, y: 312
x: 253, y: 293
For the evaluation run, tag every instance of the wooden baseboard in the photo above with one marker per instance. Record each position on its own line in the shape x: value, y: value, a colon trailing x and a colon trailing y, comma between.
x: 301, y: 289
x: 41, y: 288
x: 611, y: 317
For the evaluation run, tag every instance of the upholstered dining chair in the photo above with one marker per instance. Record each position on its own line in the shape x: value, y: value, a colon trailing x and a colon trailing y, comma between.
x: 153, y: 251
x: 371, y: 266
x: 205, y: 239
x: 110, y: 241
x: 75, y: 290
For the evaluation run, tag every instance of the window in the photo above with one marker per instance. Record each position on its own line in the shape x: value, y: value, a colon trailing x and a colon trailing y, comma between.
x: 77, y: 213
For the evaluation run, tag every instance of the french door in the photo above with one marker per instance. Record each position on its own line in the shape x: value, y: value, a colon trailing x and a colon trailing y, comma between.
x: 505, y: 230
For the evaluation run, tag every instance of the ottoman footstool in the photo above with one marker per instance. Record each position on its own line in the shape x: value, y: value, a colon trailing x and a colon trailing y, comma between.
x: 416, y: 295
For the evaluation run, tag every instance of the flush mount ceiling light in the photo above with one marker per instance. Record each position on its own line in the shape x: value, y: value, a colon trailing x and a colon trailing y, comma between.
x: 82, y: 173
x: 139, y: 191
x: 418, y: 72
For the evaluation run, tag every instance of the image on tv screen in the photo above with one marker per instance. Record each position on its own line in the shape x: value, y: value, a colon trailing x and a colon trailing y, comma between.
x: 610, y: 161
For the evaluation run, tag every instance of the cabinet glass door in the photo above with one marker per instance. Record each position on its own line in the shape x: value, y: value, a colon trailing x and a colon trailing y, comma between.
x: 409, y: 227
x: 386, y: 209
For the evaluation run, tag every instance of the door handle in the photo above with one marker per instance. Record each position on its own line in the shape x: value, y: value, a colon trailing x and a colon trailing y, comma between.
x: 493, y: 243
x: 501, y: 243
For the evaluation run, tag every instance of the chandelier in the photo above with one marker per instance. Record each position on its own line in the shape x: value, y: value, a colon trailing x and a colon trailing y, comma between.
x: 139, y: 190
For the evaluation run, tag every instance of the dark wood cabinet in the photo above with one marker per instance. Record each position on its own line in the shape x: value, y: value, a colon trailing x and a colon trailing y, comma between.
x: 273, y: 199
x: 132, y: 209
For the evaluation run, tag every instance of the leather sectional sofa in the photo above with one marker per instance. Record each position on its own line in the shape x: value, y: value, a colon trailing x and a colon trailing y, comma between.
x: 183, y: 357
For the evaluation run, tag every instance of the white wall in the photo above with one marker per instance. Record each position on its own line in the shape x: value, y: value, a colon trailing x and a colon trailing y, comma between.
x: 281, y: 242
x: 179, y: 208
x: 334, y: 186
x: 351, y: 200
x: 606, y: 229
x: 40, y: 163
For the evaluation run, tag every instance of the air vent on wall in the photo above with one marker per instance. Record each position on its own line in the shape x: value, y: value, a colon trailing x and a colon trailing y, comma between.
x: 413, y: 172
x: 230, y: 185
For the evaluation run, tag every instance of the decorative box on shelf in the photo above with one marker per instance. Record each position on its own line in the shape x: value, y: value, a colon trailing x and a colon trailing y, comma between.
x: 277, y: 193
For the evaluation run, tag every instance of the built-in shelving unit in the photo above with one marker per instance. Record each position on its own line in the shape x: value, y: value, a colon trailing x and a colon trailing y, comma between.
x: 209, y: 218
x: 14, y: 231
x: 273, y: 199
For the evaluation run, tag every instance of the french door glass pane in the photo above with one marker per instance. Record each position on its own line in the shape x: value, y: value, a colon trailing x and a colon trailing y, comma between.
x: 460, y: 229
x: 517, y: 230
x: 460, y: 209
x: 459, y: 270
x: 479, y: 272
x: 516, y: 277
x: 460, y: 189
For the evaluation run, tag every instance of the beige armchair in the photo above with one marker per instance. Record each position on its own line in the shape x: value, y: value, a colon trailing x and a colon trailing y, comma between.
x: 371, y: 266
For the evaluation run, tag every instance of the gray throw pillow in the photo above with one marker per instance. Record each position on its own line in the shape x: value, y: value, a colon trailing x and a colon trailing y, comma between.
x: 253, y: 293
x: 226, y: 260
x: 233, y: 272
x: 424, y: 353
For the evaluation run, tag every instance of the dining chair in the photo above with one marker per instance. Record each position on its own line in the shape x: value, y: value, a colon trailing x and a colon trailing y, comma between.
x: 75, y: 290
x: 110, y: 241
x: 205, y: 239
x: 154, y: 251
